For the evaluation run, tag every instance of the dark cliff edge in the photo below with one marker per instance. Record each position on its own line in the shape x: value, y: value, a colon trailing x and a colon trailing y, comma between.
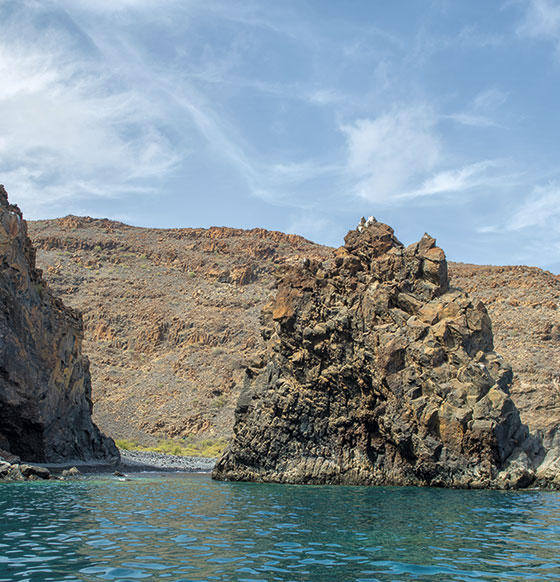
x: 45, y: 385
x: 376, y: 372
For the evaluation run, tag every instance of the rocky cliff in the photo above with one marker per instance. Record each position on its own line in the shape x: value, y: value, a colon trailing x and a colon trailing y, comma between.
x: 171, y: 317
x: 377, y: 372
x: 45, y: 386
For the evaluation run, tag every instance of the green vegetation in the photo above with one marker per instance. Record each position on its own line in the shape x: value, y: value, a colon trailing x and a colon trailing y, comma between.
x: 187, y: 447
x: 220, y: 401
x: 125, y: 445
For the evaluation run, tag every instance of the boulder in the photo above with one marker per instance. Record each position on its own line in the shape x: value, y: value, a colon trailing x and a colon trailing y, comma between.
x: 29, y: 471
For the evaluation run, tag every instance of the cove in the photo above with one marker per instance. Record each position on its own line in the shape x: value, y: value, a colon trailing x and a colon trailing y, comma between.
x: 186, y: 527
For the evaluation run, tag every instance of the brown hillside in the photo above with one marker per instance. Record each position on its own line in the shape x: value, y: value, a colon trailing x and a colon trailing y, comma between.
x: 524, y: 305
x: 172, y: 316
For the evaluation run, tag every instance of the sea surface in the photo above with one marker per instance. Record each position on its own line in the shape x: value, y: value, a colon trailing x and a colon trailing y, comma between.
x: 186, y: 527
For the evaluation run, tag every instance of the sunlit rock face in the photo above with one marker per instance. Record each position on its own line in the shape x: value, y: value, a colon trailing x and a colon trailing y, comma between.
x: 376, y: 372
x: 45, y: 386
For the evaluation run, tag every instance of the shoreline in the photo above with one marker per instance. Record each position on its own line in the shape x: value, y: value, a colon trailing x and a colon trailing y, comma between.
x: 137, y: 461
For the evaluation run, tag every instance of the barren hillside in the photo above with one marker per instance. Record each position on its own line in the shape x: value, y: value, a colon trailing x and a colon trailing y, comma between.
x: 524, y: 304
x: 172, y: 316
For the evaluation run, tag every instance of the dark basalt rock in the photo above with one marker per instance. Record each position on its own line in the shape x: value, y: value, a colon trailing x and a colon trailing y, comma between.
x: 45, y: 386
x: 378, y: 373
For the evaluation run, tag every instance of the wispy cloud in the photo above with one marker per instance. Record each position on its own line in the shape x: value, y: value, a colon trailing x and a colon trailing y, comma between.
x: 540, y: 209
x: 532, y: 227
x: 538, y: 212
x: 69, y: 121
x: 87, y: 108
x: 455, y: 180
x: 541, y: 21
x: 402, y: 155
x: 386, y: 155
x: 484, y: 111
x: 472, y: 37
x: 112, y: 6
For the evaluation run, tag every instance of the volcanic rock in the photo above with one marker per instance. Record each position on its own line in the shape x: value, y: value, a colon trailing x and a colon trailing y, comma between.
x: 45, y: 386
x: 170, y: 319
x: 378, y: 373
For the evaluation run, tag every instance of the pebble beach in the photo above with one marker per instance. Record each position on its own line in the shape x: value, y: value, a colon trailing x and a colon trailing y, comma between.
x: 150, y: 461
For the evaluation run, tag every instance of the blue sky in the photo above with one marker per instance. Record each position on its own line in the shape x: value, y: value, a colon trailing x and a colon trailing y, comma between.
x: 302, y: 116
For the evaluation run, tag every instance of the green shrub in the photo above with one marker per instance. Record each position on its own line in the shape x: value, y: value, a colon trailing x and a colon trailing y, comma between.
x: 126, y: 445
x: 219, y: 401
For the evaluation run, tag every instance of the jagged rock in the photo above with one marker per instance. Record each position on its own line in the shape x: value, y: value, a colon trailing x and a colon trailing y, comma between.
x: 71, y: 473
x: 4, y: 469
x: 379, y: 373
x: 14, y: 474
x: 8, y: 457
x: 22, y: 472
x: 45, y: 386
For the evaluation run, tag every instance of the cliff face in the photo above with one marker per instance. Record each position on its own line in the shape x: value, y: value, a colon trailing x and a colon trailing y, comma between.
x: 45, y: 386
x: 376, y: 372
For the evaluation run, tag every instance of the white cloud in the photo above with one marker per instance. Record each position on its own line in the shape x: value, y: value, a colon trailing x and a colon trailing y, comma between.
x: 484, y: 110
x: 470, y: 36
x: 540, y: 209
x: 67, y: 120
x: 456, y: 180
x: 111, y: 6
x: 542, y: 21
x: 538, y: 213
x: 387, y: 155
x: 402, y: 156
x: 87, y: 107
x: 472, y: 119
x: 489, y: 100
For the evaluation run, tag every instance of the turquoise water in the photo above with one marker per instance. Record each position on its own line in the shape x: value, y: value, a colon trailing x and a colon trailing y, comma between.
x: 189, y: 528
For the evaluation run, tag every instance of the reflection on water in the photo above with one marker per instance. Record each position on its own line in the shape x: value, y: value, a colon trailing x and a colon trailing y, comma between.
x: 189, y: 528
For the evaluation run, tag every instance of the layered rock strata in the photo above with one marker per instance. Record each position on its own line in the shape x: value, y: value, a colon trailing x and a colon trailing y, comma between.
x: 377, y: 372
x: 45, y: 386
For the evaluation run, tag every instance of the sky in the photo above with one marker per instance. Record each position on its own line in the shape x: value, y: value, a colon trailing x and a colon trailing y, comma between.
x: 437, y: 116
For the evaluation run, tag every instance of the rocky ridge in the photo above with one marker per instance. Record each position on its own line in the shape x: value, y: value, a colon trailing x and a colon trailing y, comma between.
x: 134, y: 283
x: 377, y: 372
x: 45, y: 386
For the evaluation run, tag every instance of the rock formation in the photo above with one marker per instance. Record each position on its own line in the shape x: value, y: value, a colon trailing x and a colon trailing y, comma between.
x: 377, y: 372
x: 170, y: 319
x: 45, y: 386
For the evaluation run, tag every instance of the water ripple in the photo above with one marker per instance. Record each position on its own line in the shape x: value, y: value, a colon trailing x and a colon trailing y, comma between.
x: 186, y: 528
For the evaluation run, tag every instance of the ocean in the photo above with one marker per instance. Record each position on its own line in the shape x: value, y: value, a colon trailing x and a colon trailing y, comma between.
x: 186, y: 527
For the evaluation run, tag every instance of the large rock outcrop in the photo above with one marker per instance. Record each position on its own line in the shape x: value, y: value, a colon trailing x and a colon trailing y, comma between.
x: 45, y: 386
x: 376, y: 372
